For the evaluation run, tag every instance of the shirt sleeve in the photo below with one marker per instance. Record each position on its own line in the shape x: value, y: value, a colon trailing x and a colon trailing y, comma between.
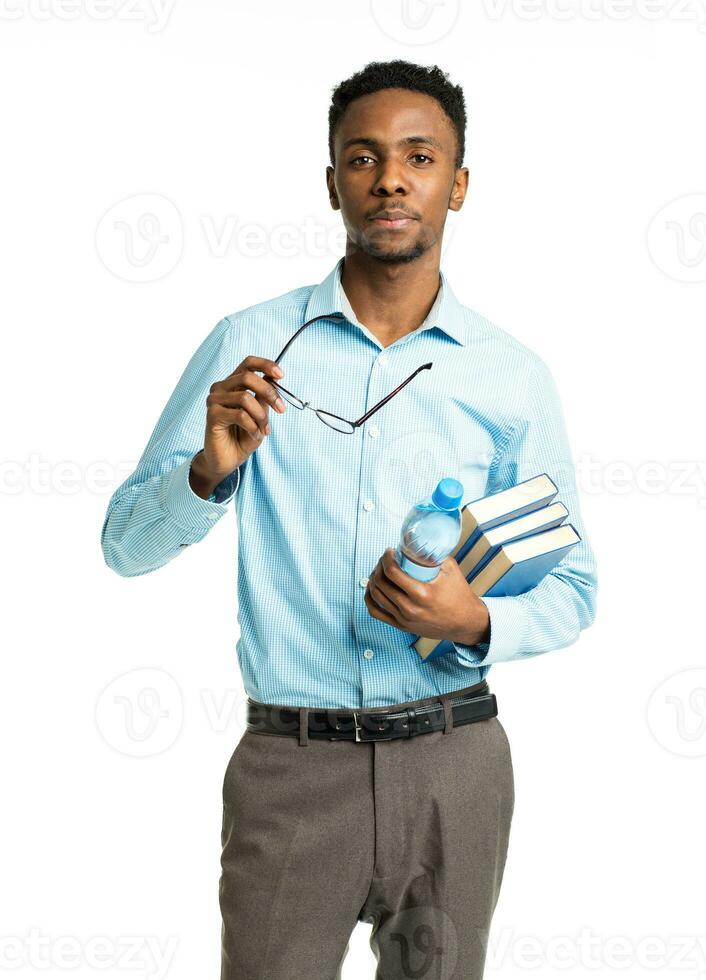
x: 155, y: 514
x: 552, y: 614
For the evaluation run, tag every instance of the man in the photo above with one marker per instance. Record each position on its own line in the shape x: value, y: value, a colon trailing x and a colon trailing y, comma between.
x: 399, y: 817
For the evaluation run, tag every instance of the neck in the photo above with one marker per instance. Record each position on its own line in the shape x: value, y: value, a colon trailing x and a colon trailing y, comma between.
x: 391, y: 299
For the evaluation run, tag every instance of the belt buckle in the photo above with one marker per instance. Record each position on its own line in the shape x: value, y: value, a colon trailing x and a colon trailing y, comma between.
x: 357, y: 727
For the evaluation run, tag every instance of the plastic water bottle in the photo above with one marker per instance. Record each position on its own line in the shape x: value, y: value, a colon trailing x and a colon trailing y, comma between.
x: 431, y: 531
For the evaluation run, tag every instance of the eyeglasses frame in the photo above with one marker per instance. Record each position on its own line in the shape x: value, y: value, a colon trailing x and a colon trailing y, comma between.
x: 363, y: 418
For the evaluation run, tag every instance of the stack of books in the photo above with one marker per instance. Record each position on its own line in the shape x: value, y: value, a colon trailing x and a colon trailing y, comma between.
x: 509, y: 541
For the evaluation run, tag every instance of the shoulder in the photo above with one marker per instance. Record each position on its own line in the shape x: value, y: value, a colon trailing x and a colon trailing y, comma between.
x: 292, y: 303
x: 265, y: 327
x: 496, y: 344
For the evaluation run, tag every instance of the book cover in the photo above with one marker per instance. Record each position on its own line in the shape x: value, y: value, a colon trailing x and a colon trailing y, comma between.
x: 488, y: 543
x: 500, y: 507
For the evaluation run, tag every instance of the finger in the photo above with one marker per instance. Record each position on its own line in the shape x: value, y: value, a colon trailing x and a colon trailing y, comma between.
x: 264, y: 364
x: 376, y: 612
x: 238, y: 399
x: 240, y: 418
x: 391, y: 589
x: 399, y: 579
x: 244, y: 399
x: 378, y: 591
x: 248, y: 380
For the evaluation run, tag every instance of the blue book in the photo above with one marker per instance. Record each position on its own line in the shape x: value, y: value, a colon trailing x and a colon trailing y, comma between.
x: 490, y: 542
x: 500, y: 507
x: 516, y: 568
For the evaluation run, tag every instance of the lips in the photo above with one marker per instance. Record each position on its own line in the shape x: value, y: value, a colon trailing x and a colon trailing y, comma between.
x: 393, y: 220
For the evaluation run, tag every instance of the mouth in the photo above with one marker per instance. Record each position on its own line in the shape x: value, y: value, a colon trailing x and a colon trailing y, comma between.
x: 393, y: 221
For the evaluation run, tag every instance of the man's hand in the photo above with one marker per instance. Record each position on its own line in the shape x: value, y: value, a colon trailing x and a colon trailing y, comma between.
x: 237, y: 414
x: 237, y: 420
x: 446, y: 608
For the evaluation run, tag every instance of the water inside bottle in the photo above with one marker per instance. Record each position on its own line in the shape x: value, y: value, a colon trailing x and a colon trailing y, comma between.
x: 427, y: 540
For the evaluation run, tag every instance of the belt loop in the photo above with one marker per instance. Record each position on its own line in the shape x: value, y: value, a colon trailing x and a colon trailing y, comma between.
x: 448, y: 715
x: 303, y: 726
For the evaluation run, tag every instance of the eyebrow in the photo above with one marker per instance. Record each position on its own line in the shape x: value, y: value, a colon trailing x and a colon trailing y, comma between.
x: 405, y: 141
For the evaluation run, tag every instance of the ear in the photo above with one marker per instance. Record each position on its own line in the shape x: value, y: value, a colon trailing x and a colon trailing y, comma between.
x: 331, y: 186
x: 459, y: 189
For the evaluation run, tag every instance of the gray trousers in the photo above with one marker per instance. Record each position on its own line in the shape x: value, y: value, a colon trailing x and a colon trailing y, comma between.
x: 409, y: 834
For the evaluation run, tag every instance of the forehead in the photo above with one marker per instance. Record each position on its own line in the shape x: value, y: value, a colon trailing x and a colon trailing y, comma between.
x: 392, y: 114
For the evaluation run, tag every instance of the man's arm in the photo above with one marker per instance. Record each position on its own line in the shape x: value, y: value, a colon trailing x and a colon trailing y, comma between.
x: 163, y: 505
x: 552, y: 614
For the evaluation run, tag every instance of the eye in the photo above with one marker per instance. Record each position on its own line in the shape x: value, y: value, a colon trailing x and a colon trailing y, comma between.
x: 363, y: 157
x: 424, y: 155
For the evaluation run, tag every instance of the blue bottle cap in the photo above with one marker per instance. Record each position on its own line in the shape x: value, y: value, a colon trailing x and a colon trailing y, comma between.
x: 448, y: 494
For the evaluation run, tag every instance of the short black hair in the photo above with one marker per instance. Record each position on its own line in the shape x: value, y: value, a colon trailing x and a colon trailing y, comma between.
x: 378, y: 75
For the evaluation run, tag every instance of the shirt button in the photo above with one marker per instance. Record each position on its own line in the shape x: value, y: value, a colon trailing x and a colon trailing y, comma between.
x: 212, y: 516
x: 363, y: 582
x: 382, y: 360
x: 368, y: 505
x: 368, y: 654
x: 373, y: 432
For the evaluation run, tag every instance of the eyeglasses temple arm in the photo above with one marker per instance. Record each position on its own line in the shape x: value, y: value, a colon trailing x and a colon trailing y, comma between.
x: 322, y: 316
x: 392, y: 394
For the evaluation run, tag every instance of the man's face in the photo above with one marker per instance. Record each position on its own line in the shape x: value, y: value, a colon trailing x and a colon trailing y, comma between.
x: 395, y: 151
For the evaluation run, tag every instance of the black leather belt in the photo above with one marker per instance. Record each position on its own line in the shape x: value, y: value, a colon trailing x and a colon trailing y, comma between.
x: 374, y: 724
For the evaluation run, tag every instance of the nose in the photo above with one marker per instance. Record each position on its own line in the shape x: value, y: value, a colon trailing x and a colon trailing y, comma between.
x: 390, y: 180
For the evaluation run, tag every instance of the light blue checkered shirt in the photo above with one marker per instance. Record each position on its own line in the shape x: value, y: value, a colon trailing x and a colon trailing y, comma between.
x: 315, y: 509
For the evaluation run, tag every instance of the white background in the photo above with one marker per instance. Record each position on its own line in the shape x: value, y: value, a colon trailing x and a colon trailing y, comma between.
x: 585, y: 124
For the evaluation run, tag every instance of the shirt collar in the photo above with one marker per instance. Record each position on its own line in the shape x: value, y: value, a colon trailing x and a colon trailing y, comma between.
x: 446, y: 313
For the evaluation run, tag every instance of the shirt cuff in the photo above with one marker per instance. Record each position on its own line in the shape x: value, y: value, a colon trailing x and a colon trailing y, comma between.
x: 508, y: 620
x: 186, y: 508
x: 227, y: 488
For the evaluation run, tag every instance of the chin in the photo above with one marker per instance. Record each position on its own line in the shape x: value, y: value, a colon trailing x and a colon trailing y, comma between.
x: 399, y: 253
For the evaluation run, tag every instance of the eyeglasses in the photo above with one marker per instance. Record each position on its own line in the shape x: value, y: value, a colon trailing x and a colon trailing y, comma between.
x: 328, y: 418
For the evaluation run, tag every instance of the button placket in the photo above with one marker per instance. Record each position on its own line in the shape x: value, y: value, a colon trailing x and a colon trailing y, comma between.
x: 379, y: 387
